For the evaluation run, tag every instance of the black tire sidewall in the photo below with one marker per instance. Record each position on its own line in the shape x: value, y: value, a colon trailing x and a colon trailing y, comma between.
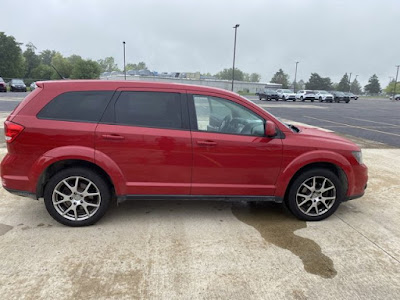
x: 291, y: 199
x: 86, y: 173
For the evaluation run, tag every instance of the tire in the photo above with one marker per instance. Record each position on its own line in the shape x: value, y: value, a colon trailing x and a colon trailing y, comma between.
x: 301, y: 98
x: 312, y: 100
x: 260, y: 98
x: 320, y: 99
x: 347, y: 101
x: 96, y: 204
x: 284, y: 98
x: 308, y: 211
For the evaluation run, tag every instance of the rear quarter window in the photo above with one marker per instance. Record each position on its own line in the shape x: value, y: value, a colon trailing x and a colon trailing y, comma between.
x: 85, y: 106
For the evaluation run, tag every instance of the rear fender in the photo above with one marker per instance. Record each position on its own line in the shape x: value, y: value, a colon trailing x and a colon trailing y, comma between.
x: 76, y: 153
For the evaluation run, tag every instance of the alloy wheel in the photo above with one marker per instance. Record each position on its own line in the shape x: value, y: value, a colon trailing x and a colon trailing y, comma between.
x: 316, y: 196
x: 76, y: 198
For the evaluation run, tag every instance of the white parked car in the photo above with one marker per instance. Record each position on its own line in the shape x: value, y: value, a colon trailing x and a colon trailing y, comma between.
x: 305, y: 95
x: 323, y: 96
x: 286, y: 94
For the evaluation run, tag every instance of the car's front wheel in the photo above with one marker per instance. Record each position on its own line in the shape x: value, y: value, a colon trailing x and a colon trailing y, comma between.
x: 77, y: 197
x: 315, y: 195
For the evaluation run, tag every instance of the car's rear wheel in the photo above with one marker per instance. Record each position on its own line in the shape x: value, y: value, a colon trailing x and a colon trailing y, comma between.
x: 315, y: 195
x: 301, y: 98
x: 347, y: 101
x: 77, y: 197
x: 312, y: 100
x: 320, y: 99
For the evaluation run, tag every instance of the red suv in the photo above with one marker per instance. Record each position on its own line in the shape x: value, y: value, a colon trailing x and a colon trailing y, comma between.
x: 80, y: 144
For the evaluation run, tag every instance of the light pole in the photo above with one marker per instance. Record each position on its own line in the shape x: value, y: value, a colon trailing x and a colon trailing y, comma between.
x: 395, y: 82
x: 234, y: 54
x: 124, y: 60
x: 350, y: 82
x: 295, y: 77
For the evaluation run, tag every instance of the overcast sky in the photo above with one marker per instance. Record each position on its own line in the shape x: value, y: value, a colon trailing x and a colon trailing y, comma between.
x: 329, y: 37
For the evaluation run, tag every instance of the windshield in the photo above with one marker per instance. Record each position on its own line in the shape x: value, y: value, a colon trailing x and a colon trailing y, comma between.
x: 17, y: 81
x: 287, y: 91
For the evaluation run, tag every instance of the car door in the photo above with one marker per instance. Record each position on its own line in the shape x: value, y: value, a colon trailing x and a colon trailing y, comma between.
x: 146, y: 133
x: 231, y: 154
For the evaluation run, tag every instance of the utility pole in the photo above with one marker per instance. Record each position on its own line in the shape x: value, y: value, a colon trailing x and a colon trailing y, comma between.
x: 234, y: 54
x: 124, y: 60
x: 295, y: 77
x: 397, y: 75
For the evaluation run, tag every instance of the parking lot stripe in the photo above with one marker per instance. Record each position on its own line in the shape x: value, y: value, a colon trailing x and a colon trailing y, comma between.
x: 383, y: 123
x: 353, y: 126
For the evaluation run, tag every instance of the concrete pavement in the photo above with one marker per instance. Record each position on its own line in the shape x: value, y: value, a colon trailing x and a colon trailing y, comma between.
x: 204, y: 250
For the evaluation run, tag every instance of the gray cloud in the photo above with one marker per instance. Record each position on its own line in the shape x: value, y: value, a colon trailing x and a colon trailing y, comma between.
x: 328, y: 37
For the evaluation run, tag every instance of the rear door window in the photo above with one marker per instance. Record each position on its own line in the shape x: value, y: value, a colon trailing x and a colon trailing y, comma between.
x: 149, y: 109
x: 85, y: 106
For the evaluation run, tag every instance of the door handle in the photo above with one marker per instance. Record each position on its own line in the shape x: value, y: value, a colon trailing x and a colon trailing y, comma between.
x: 112, y: 137
x: 206, y: 143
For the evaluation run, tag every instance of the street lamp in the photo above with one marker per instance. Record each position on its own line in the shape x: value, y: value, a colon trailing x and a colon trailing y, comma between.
x: 295, y: 76
x: 234, y: 54
x: 350, y: 82
x: 395, y: 82
x: 124, y: 60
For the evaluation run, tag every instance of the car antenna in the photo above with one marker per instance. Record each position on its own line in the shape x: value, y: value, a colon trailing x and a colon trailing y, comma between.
x: 62, y: 77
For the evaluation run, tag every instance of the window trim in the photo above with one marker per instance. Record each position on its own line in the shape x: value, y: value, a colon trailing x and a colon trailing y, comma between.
x: 109, y: 116
x: 112, y: 94
x: 193, y: 117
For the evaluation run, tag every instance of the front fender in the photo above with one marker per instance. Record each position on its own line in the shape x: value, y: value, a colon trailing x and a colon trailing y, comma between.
x: 317, y: 156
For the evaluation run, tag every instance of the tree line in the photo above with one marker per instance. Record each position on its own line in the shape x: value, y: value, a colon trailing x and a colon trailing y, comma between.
x: 317, y: 82
x: 50, y: 64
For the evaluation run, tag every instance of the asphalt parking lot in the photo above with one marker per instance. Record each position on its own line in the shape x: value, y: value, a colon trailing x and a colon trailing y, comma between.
x: 371, y: 119
x: 220, y: 250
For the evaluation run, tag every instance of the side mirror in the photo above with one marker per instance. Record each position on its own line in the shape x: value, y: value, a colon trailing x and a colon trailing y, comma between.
x: 270, y: 129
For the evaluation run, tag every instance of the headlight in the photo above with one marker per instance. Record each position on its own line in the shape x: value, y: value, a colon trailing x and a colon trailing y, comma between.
x: 358, y: 156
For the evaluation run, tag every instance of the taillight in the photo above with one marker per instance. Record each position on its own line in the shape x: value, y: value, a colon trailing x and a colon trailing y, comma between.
x: 12, y: 130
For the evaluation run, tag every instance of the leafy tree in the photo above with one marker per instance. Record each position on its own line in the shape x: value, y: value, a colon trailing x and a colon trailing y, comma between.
x: 355, y: 87
x: 373, y: 86
x: 63, y: 66
x: 73, y: 59
x: 344, y: 84
x: 255, y: 77
x: 43, y: 72
x: 86, y: 69
x: 299, y: 85
x: 11, y: 59
x: 31, y: 59
x: 139, y: 66
x: 282, y: 78
x: 226, y: 74
x: 108, y: 64
x: 316, y: 82
x: 46, y: 56
x: 390, y: 88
